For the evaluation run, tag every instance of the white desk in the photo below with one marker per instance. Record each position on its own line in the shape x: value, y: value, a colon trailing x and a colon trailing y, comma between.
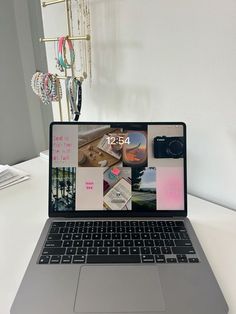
x: 23, y: 211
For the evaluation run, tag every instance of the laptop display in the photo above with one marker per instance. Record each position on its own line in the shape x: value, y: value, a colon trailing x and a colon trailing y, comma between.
x: 126, y: 167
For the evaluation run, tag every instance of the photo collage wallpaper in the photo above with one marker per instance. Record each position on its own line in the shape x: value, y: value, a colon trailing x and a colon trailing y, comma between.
x: 101, y: 167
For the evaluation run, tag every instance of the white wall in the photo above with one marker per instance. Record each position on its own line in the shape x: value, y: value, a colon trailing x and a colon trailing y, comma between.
x: 23, y: 120
x: 167, y: 60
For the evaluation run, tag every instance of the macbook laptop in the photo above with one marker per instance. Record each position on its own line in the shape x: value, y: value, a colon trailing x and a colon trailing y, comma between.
x: 118, y: 239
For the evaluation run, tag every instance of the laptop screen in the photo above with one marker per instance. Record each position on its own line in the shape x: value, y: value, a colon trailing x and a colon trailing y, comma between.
x: 117, y: 167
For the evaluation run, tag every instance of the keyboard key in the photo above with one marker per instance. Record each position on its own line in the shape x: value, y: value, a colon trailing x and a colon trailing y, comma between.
x: 96, y: 259
x: 79, y: 223
x: 124, y: 250
x: 73, y: 230
x: 158, y: 229
x: 81, y: 251
x: 54, y: 237
x: 165, y: 250
x: 64, y: 230
x: 55, y: 259
x: 106, y: 236
x: 70, y: 224
x: 54, y: 251
x: 164, y: 236
x: 145, y: 250
x: 149, y: 243
x: 113, y: 250
x: 53, y: 244
x: 135, y: 236
x: 155, y: 236
x: 125, y: 236
x: 179, y: 223
x: 54, y: 230
x: 78, y: 243
x: 152, y: 223
x: 183, y: 243
x: 147, y: 258
x: 124, y: 223
x: 66, y: 236
x: 88, y: 243
x: 134, y: 250
x: 184, y: 235
x: 182, y: 258
x: 145, y: 236
x: 174, y: 236
x: 138, y: 243
x: 169, y: 242
x: 67, y: 243
x: 108, y: 242
x: 161, y: 223
x: 71, y: 251
x: 77, y: 236
x: 183, y: 250
x: 96, y: 236
x: 103, y: 250
x: 129, y: 242
x: 159, y: 242
x: 171, y: 260
x: 98, y: 243
x: 160, y: 258
x: 66, y: 259
x: 92, y: 251
x: 179, y: 229
x: 193, y: 260
x: 167, y: 229
x: 155, y: 250
x: 170, y: 223
x: 44, y: 259
x: 58, y: 224
x: 86, y: 236
x: 116, y: 236
x: 118, y: 243
x: 78, y: 259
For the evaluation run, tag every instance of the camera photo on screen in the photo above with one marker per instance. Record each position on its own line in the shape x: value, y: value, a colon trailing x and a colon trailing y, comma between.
x: 168, y: 147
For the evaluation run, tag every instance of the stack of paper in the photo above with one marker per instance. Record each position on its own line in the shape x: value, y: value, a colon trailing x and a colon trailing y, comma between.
x: 10, y: 175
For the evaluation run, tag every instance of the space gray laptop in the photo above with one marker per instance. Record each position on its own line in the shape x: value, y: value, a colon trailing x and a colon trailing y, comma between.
x: 118, y: 239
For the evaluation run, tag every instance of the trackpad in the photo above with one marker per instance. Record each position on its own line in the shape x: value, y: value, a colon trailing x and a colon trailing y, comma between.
x: 110, y: 289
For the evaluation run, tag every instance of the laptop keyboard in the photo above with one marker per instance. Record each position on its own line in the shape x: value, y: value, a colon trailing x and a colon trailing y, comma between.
x: 79, y: 242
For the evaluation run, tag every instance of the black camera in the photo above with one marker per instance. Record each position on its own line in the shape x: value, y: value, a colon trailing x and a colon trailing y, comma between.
x: 168, y: 147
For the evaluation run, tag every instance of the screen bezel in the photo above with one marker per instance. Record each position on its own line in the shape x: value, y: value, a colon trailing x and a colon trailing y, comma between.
x: 119, y: 214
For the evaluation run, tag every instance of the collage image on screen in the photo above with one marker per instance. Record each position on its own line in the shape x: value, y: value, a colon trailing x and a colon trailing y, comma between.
x: 101, y: 167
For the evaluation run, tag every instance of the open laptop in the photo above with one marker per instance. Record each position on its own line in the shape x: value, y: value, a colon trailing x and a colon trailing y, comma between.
x: 118, y: 239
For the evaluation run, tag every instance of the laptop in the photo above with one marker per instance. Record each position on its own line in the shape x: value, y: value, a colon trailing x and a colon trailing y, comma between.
x: 118, y: 239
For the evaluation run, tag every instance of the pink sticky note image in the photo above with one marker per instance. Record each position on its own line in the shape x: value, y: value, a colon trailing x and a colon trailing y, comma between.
x: 115, y: 171
x: 170, y: 188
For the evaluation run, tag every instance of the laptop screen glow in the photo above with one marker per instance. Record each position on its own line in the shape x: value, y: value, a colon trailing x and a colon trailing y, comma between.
x: 117, y: 167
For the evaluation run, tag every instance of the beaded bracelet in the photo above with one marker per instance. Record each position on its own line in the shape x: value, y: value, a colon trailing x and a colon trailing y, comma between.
x: 62, y: 52
x: 47, y: 86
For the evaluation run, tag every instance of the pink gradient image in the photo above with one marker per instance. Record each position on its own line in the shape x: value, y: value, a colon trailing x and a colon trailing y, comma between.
x: 170, y: 188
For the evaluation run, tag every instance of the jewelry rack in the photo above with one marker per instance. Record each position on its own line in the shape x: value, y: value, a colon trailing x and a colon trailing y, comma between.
x: 71, y: 37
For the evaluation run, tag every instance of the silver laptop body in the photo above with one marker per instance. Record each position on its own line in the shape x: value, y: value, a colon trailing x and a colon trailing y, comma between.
x: 118, y: 239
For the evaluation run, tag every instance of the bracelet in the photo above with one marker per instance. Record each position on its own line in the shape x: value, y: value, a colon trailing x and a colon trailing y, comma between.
x: 74, y: 96
x: 47, y: 86
x: 62, y: 52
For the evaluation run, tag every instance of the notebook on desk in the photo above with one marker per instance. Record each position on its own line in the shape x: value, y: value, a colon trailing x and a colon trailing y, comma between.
x: 118, y: 239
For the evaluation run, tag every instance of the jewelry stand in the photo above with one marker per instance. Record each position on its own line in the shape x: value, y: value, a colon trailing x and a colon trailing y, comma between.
x: 71, y: 37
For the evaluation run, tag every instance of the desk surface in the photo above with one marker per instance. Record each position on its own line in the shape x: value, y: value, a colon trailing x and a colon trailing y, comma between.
x: 23, y: 212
